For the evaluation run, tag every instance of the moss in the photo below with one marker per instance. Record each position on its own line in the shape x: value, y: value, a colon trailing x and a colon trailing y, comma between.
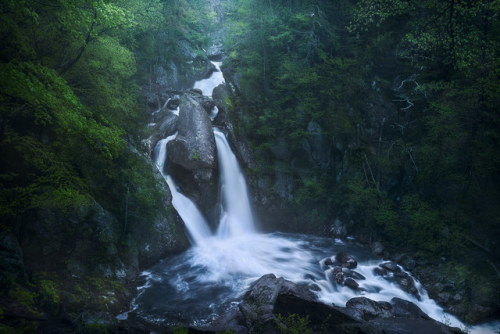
x: 293, y: 324
x: 24, y: 297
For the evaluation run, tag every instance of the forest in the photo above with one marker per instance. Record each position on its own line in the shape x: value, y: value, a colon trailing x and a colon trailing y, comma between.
x: 378, y: 119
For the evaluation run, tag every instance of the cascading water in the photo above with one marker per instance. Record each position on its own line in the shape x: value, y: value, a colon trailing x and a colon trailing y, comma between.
x: 237, y: 219
x: 196, y: 286
x: 215, y: 79
x: 192, y: 217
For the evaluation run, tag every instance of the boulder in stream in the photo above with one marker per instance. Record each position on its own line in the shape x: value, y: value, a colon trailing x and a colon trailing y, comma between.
x: 192, y: 156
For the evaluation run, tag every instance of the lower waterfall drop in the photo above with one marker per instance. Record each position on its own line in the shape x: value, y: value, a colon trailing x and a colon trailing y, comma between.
x: 236, y: 218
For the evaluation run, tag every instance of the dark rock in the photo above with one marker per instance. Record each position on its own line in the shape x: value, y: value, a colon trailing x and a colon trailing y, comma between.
x: 338, y: 229
x: 192, y: 155
x: 353, y: 274
x: 328, y: 262
x: 391, y: 266
x: 196, y: 91
x: 379, y: 271
x: 173, y: 103
x: 346, y: 260
x: 338, y: 275
x: 409, y: 263
x: 349, y: 282
x: 270, y: 296
x: 366, y: 309
x: 406, y: 283
x: 215, y: 52
x: 258, y: 303
x: 412, y: 326
x: 406, y: 309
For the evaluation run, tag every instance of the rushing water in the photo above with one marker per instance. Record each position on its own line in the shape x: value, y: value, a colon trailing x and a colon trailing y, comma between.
x: 215, y: 79
x: 237, y: 219
x: 193, y: 219
x: 196, y: 286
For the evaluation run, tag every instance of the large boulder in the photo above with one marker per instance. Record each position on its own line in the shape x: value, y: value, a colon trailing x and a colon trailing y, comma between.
x: 270, y: 296
x: 192, y: 156
x: 363, y: 308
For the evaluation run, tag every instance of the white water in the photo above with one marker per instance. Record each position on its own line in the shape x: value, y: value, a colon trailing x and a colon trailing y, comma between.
x: 215, y: 79
x: 195, y: 223
x: 236, y: 219
x: 196, y: 286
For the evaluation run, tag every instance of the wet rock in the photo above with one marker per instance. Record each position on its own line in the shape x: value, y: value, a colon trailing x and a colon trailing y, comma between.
x: 346, y: 260
x: 258, y: 303
x: 192, y: 155
x: 390, y: 266
x: 338, y: 275
x: 379, y: 271
x: 406, y: 309
x: 409, y: 263
x: 366, y: 309
x: 173, y: 103
x: 349, y: 282
x: 328, y: 262
x: 215, y: 52
x: 353, y: 274
x: 338, y: 229
x: 196, y: 91
x: 407, y: 283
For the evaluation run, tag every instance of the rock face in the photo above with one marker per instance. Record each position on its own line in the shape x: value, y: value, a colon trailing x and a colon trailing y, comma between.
x: 192, y: 156
x: 270, y: 296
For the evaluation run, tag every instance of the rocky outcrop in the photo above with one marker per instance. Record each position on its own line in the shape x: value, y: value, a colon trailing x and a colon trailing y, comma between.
x: 270, y: 296
x: 192, y: 156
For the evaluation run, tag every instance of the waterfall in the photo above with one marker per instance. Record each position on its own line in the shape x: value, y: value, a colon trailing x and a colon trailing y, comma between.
x: 215, y: 79
x: 195, y: 223
x: 236, y: 218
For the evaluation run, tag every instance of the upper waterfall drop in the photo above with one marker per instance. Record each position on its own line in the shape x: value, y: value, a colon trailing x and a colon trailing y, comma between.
x: 215, y: 79
x: 236, y: 217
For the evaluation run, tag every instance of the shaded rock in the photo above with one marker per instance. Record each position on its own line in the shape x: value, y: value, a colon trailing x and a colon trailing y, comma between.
x: 346, y: 260
x: 258, y: 303
x: 349, y: 282
x: 406, y: 309
x: 406, y: 283
x: 366, y: 309
x: 173, y: 103
x: 338, y: 229
x: 409, y: 263
x: 328, y: 262
x: 353, y: 274
x: 379, y: 271
x: 215, y: 51
x: 412, y: 326
x: 391, y: 266
x: 338, y: 275
x: 192, y: 157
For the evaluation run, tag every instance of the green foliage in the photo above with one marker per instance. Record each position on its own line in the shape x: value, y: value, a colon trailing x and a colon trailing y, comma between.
x: 293, y: 324
x: 408, y: 95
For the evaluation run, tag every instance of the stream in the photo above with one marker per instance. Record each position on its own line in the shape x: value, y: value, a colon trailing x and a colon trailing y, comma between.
x: 194, y: 287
